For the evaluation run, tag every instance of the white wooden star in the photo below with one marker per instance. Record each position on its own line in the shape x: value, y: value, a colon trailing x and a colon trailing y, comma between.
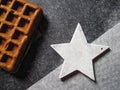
x: 78, y: 54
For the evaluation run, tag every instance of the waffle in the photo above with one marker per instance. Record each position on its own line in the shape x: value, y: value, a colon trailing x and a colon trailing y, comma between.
x: 18, y: 22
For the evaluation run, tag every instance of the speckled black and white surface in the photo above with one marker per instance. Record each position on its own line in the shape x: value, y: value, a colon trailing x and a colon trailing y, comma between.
x: 106, y: 69
x: 59, y: 22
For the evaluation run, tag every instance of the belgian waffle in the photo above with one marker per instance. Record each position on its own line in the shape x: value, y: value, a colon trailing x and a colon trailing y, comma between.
x: 18, y: 22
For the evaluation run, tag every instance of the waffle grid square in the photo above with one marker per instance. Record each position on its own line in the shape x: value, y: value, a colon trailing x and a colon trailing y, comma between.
x: 17, y: 17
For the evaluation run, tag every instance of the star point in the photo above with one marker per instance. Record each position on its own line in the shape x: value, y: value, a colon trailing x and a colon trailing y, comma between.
x: 78, y: 54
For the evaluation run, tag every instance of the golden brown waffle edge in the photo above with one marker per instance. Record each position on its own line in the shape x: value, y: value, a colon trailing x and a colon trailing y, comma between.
x: 18, y: 21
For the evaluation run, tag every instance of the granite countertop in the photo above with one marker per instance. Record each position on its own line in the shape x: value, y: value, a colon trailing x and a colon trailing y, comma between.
x: 58, y: 25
